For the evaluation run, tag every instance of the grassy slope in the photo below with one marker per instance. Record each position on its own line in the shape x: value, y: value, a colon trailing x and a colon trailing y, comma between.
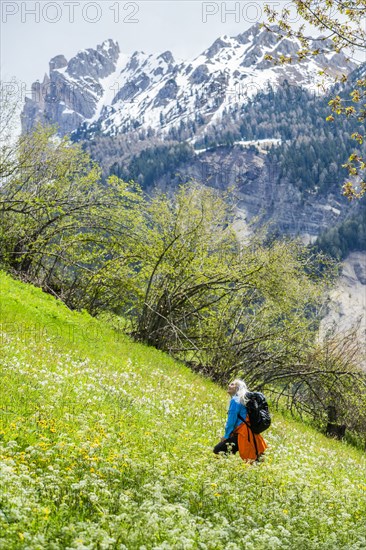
x: 108, y: 444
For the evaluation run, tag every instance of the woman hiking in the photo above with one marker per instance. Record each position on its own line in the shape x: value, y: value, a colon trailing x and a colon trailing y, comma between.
x: 238, y: 435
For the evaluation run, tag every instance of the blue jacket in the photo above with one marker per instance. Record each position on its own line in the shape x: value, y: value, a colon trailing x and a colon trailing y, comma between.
x: 235, y: 409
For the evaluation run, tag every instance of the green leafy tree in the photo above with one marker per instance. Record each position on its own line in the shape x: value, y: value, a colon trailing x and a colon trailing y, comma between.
x: 273, y: 321
x: 190, y: 261
x: 226, y: 308
x: 61, y: 228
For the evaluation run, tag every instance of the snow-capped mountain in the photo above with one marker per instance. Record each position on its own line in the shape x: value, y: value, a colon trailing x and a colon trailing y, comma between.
x: 107, y: 90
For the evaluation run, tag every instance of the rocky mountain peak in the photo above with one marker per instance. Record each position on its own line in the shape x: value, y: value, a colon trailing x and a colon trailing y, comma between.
x: 110, y: 47
x: 57, y: 62
x: 97, y: 63
x: 167, y: 57
x: 219, y: 44
x: 256, y: 34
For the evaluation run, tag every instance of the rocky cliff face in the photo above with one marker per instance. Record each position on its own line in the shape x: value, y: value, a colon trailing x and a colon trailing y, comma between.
x: 260, y: 200
x: 347, y: 307
x: 69, y: 94
x: 104, y: 89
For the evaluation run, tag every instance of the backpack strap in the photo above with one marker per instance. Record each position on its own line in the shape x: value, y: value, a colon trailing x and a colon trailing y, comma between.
x: 248, y: 426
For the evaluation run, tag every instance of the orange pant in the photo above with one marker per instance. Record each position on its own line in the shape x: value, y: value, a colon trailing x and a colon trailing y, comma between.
x: 246, y: 442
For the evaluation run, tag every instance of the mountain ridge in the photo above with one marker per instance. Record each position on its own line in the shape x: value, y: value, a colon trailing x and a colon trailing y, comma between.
x: 113, y: 92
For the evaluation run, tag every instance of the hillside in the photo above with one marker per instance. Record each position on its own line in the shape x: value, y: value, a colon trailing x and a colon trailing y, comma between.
x: 279, y: 153
x: 108, y: 444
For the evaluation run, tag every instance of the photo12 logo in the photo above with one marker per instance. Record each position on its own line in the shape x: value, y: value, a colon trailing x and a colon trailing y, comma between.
x: 49, y: 92
x: 244, y: 12
x: 69, y: 11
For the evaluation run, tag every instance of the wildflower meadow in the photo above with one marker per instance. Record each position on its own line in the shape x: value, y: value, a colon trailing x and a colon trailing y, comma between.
x: 107, y: 444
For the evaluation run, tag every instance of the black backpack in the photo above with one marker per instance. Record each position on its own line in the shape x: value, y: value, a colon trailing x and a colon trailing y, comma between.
x: 258, y: 412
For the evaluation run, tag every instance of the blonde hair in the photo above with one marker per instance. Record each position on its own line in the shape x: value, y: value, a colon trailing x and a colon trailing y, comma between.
x: 241, y: 391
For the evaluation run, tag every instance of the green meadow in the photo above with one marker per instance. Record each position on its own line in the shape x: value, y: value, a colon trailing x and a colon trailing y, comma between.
x: 107, y: 444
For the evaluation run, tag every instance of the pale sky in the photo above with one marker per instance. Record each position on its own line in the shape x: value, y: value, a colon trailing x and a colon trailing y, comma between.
x: 32, y: 32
